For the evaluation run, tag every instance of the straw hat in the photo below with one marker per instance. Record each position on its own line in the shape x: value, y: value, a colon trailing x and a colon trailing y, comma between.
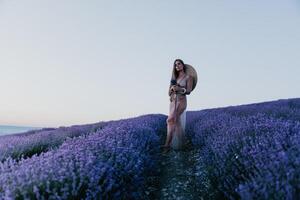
x: 189, y: 70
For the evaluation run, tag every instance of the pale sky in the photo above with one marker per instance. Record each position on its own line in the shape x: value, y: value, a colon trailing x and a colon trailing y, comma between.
x: 66, y: 62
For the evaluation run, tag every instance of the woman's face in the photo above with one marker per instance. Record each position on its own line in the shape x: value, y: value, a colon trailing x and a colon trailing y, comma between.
x: 178, y: 66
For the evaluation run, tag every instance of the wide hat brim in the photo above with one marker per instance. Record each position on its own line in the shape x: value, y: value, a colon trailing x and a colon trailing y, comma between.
x: 189, y: 70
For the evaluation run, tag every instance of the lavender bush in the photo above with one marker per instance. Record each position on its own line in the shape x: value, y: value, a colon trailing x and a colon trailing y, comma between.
x: 111, y: 163
x: 250, y: 152
x: 37, y: 141
x: 283, y: 109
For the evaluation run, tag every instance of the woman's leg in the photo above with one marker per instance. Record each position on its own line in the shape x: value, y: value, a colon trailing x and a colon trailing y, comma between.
x: 178, y: 129
x: 173, y: 120
x: 170, y: 124
x: 170, y: 129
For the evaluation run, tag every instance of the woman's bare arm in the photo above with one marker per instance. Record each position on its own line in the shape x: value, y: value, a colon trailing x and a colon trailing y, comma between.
x: 189, y: 85
x: 170, y: 91
x: 188, y: 88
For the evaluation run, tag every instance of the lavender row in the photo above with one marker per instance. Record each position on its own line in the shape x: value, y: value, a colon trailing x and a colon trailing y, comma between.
x: 37, y: 141
x: 111, y: 163
x: 285, y: 109
x: 251, y: 155
x: 288, y: 109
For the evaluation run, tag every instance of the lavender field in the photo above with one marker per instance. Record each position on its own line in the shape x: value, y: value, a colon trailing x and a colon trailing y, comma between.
x: 249, y: 151
x: 237, y: 152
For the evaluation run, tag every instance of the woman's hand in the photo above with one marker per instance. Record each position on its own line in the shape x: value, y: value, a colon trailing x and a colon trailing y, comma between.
x: 175, y: 88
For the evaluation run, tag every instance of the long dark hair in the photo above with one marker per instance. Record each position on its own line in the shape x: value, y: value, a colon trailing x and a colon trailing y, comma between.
x: 175, y: 73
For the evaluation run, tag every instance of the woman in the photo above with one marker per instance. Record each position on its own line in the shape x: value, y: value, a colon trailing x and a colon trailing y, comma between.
x: 182, y: 84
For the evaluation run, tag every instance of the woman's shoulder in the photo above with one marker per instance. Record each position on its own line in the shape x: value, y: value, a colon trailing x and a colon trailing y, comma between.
x: 187, y: 77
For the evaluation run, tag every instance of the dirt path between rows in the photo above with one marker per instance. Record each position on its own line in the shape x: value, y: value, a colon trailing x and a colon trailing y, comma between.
x: 179, y: 176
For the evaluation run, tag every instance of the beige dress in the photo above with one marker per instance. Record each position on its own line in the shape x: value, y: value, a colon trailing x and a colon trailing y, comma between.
x: 178, y: 138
